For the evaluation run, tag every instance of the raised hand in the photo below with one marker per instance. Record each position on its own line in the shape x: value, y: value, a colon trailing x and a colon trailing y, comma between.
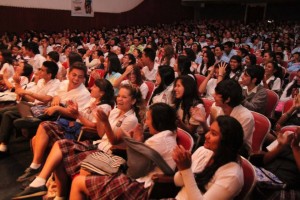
x: 182, y: 158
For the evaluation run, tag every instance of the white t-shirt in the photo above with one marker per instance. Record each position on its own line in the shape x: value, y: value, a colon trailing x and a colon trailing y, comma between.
x: 8, y: 68
x: 143, y: 88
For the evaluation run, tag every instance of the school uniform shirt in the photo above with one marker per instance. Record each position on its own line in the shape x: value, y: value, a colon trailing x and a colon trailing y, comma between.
x: 80, y: 95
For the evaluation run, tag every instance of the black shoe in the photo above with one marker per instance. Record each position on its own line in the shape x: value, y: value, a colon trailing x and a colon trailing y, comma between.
x: 32, y: 192
x: 29, y: 173
x: 26, y: 183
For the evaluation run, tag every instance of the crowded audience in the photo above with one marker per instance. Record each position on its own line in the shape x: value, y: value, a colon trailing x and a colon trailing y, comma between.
x: 101, y: 79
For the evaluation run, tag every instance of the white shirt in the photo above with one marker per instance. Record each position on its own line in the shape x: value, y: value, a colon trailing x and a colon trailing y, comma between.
x: 37, y: 62
x: 48, y: 88
x: 276, y: 84
x: 163, y: 142
x: 150, y: 75
x: 143, y: 88
x: 210, y: 88
x: 48, y: 49
x: 80, y: 95
x: 89, y: 111
x: 226, y: 183
x: 128, y: 122
x: 245, y: 117
x: 8, y: 68
x: 91, y: 65
x: 165, y: 96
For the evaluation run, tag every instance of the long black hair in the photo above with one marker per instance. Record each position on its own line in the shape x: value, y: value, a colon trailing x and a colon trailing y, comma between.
x: 167, y: 78
x: 231, y: 142
x: 105, y: 86
x: 190, y: 96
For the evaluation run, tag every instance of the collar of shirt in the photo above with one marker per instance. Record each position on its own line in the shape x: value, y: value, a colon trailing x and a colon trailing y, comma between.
x: 254, y: 90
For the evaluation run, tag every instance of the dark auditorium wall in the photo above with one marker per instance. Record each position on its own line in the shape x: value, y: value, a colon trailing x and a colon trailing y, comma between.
x: 149, y: 12
x: 14, y: 19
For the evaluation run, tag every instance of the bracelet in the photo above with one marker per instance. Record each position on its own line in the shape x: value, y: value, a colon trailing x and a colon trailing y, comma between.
x: 220, y: 75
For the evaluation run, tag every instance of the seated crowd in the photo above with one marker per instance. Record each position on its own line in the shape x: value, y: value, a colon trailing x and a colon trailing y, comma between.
x: 144, y: 84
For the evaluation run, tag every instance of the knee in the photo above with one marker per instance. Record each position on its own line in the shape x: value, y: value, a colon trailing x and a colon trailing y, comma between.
x: 78, y: 184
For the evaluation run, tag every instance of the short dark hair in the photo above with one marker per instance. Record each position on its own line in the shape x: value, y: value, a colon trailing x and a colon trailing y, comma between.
x: 257, y: 72
x: 74, y: 57
x: 150, y: 53
x: 230, y: 89
x: 229, y: 44
x: 163, y: 117
x: 99, y: 53
x: 220, y: 46
x: 52, y: 68
x: 54, y: 55
x: 32, y: 46
x: 80, y: 66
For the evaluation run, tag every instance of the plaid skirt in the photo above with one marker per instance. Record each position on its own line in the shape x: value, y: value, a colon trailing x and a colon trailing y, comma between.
x: 117, y: 186
x: 73, y: 153
x: 53, y: 130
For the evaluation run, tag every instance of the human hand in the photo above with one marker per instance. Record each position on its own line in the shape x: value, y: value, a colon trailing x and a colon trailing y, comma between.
x: 5, y: 74
x: 55, y: 101
x: 51, y: 110
x: 101, y: 116
x: 182, y: 158
x: 17, y: 78
x: 95, y: 75
x: 128, y: 70
x: 73, y: 108
x: 285, y: 138
x: 296, y: 140
x: 222, y: 68
x: 137, y: 133
x: 197, y: 114
x: 211, y: 70
x: 20, y: 91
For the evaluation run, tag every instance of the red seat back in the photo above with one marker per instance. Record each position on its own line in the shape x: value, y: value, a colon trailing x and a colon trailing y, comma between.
x: 185, y: 139
x: 272, y: 100
x: 249, y: 180
x: 262, y: 126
